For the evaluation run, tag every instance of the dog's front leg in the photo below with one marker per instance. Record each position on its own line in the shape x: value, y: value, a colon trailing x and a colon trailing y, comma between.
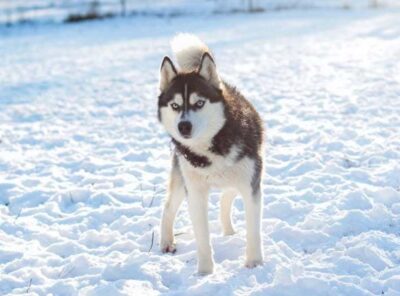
x: 175, y: 196
x: 198, y: 210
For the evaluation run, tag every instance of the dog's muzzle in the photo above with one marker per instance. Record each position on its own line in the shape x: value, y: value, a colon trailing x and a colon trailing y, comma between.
x: 185, y: 128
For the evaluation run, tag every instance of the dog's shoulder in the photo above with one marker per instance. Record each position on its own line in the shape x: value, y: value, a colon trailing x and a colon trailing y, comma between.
x: 243, y: 127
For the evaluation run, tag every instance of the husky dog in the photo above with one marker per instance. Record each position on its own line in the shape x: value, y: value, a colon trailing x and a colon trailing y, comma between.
x: 218, y: 142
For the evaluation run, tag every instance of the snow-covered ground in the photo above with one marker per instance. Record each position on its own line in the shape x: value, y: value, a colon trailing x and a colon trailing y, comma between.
x: 84, y: 162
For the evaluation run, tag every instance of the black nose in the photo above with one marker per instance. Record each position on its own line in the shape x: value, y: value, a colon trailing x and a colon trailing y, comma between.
x: 185, y: 128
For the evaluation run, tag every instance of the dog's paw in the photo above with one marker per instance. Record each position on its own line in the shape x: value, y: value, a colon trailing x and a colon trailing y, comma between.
x: 253, y: 263
x: 168, y: 247
x: 205, y: 271
x: 205, y: 268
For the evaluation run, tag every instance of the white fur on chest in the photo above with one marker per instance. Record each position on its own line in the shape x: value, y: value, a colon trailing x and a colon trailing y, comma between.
x: 224, y: 171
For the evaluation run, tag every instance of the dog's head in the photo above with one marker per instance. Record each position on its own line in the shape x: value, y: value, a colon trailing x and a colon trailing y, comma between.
x: 191, y: 105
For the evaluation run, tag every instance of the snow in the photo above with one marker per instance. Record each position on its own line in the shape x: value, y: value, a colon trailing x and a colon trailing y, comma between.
x: 84, y: 162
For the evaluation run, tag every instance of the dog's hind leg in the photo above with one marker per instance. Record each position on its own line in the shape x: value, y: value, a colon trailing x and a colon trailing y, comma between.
x: 175, y: 196
x: 253, y: 209
x: 253, y: 203
x: 225, y: 213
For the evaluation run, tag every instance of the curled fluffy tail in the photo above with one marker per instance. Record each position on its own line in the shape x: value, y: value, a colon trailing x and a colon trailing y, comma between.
x: 188, y: 50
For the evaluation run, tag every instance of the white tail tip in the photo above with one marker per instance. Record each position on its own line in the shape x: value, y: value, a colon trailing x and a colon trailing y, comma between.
x: 188, y: 50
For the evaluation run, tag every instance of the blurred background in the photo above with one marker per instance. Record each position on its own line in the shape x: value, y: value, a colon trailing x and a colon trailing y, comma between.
x: 21, y: 11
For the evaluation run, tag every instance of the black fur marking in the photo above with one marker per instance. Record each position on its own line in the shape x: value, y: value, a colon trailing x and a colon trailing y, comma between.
x: 198, y: 161
x: 256, y: 179
x: 243, y: 127
x: 195, y: 84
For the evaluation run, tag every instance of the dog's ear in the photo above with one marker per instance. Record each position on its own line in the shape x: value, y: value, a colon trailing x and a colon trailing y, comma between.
x: 167, y: 73
x: 208, y: 70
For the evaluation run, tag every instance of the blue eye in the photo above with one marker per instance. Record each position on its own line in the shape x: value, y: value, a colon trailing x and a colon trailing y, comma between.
x: 175, y: 106
x: 200, y: 103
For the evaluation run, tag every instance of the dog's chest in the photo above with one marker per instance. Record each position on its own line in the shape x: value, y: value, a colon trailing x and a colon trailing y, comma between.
x: 219, y: 171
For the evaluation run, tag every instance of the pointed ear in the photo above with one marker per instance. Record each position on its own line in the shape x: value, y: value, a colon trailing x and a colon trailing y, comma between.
x: 167, y: 73
x: 208, y: 70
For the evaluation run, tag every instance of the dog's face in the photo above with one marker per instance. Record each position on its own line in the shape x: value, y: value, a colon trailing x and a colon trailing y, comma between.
x: 191, y: 106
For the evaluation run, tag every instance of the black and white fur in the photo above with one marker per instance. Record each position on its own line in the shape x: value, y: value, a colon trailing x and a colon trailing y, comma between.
x: 218, y: 140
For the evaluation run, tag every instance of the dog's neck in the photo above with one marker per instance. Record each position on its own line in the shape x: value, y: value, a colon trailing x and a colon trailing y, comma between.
x: 196, y: 160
